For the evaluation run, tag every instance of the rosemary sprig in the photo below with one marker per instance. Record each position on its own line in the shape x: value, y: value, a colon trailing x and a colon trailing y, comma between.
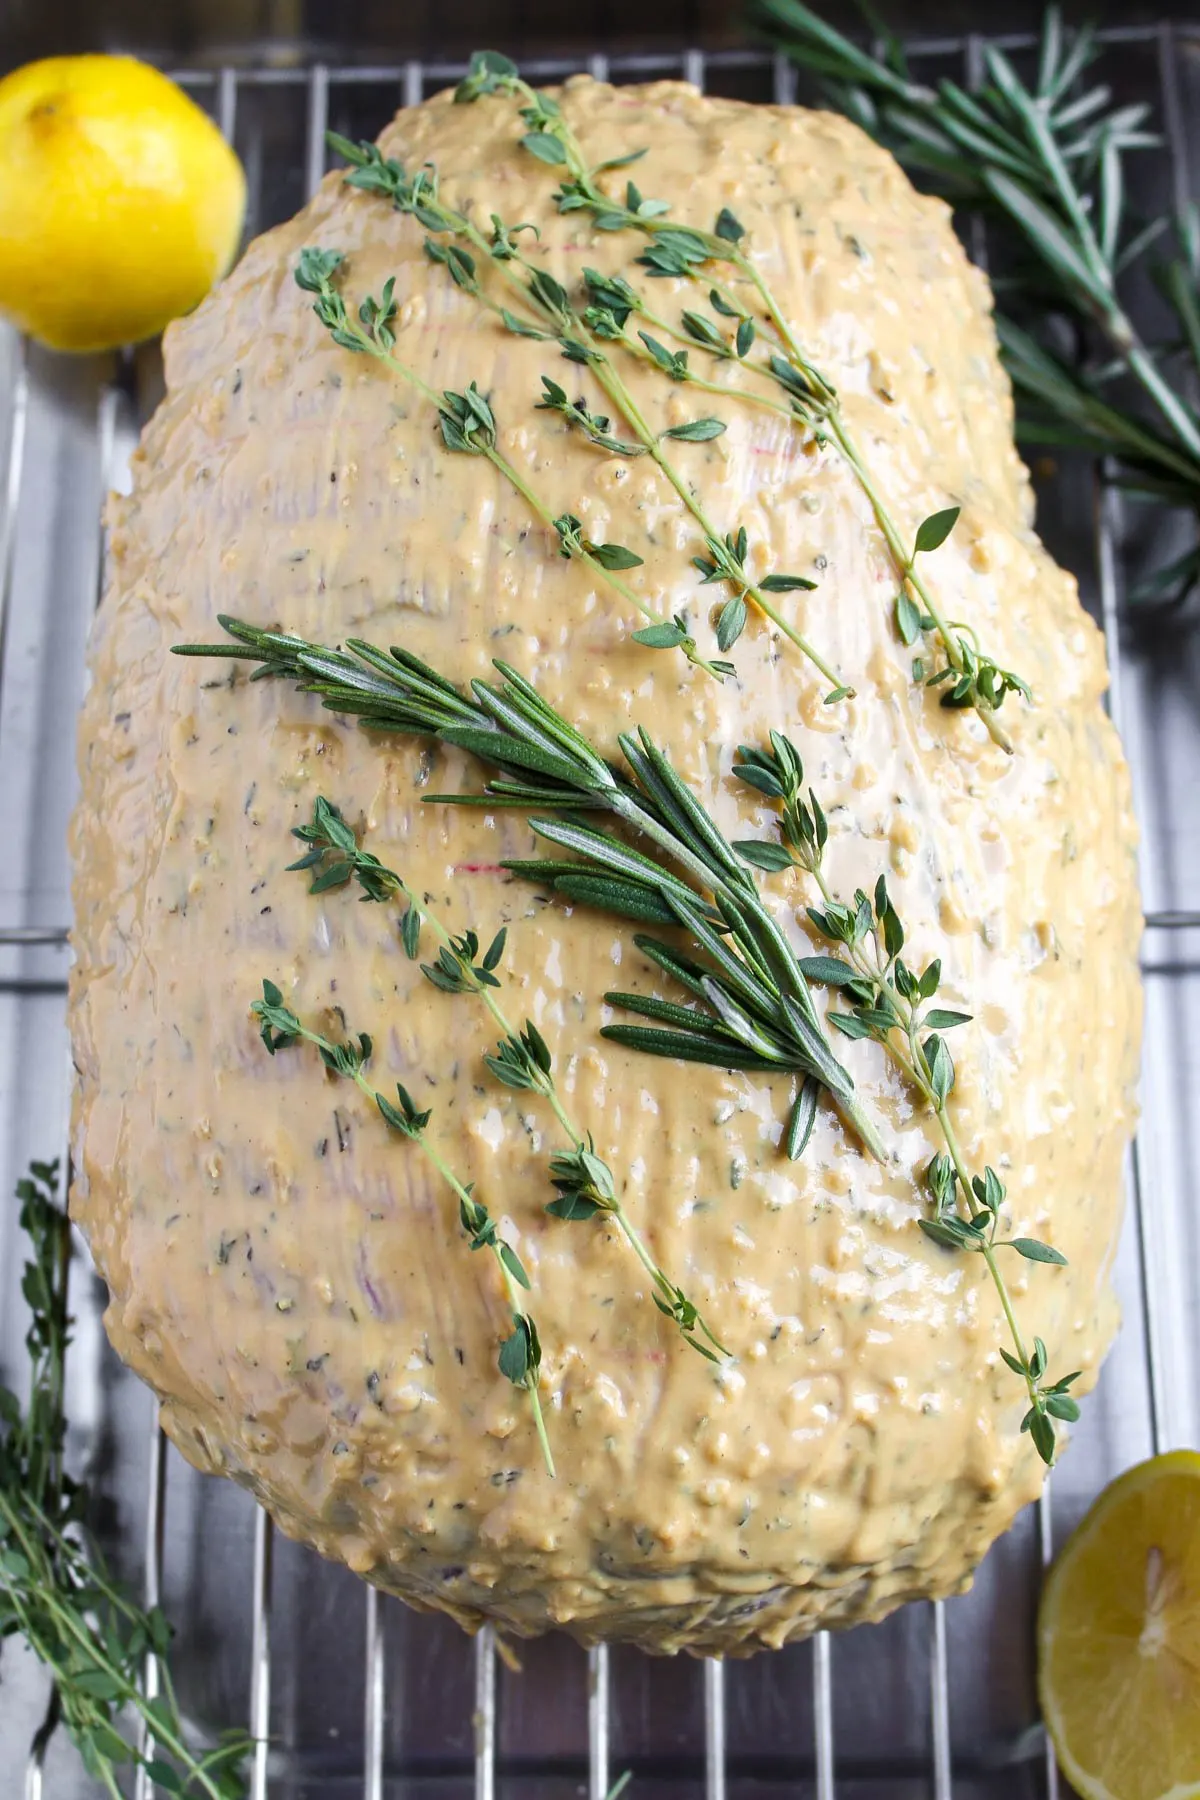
x: 1044, y: 163
x: 546, y: 763
x: 551, y: 314
x: 468, y: 426
x: 55, y: 1589
x: 520, y: 1355
x: 583, y: 1181
x: 686, y: 252
x: 890, y: 1003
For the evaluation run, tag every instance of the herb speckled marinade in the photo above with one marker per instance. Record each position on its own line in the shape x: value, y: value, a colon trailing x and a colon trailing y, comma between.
x: 311, y: 1315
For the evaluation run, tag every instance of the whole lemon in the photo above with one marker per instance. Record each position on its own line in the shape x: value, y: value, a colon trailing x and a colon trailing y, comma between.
x: 120, y: 202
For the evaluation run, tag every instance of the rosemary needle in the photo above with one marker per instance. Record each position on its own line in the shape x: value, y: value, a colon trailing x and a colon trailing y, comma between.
x: 520, y: 1354
x: 583, y: 1181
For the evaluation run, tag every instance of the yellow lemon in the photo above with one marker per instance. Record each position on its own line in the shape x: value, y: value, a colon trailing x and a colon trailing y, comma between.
x: 120, y: 202
x: 1119, y: 1638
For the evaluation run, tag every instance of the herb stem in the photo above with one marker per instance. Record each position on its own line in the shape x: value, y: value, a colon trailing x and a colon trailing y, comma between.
x: 458, y: 974
x: 879, y: 971
x: 89, y: 1649
x: 618, y: 392
x: 549, y: 302
x: 1169, y: 404
x: 55, y: 1589
x: 291, y: 1029
x: 614, y: 1208
x: 744, y: 896
x: 906, y: 564
x: 511, y: 1287
x: 986, y: 1248
x: 548, y: 764
x: 377, y: 342
x: 828, y: 409
x: 621, y: 397
x: 581, y: 554
x: 978, y: 683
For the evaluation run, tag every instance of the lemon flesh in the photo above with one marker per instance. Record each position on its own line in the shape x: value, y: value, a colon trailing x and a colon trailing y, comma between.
x: 1119, y: 1638
x: 120, y: 202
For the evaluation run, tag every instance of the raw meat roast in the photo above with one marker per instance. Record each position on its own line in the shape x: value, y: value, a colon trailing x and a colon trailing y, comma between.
x: 290, y: 1277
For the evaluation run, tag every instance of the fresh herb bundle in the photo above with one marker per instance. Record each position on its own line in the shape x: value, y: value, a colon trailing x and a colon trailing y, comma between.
x: 751, y: 1005
x: 520, y: 1355
x: 547, y: 763
x: 1044, y: 163
x: 890, y: 1003
x: 56, y: 1592
x: 971, y: 678
x: 468, y: 426
x: 550, y: 314
x: 584, y: 1185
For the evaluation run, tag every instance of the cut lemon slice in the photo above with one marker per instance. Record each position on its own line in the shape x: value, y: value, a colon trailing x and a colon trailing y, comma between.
x: 1119, y: 1638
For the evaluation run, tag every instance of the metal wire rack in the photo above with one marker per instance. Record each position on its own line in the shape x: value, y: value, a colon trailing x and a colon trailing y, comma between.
x: 346, y: 1692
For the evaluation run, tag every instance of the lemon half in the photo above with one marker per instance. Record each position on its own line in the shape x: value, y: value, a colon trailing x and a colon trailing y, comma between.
x: 1119, y: 1638
x: 120, y: 202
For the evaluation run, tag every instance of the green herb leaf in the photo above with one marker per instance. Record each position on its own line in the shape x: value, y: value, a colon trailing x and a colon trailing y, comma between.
x: 933, y: 531
x: 660, y: 637
x: 940, y: 1066
x: 731, y: 621
x: 547, y: 149
x: 827, y: 970
x: 1035, y: 1251
x: 1061, y: 1406
x: 697, y: 431
x: 762, y: 854
x: 908, y: 619
x: 784, y: 584
x: 614, y: 556
x: 704, y: 332
x: 803, y: 1118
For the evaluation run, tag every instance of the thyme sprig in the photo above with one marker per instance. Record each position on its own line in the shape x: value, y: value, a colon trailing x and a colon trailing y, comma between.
x: 755, y: 1009
x: 520, y: 1355
x: 468, y: 426
x: 550, y: 313
x: 56, y: 1591
x: 890, y: 1003
x: 522, y: 1060
x: 546, y: 763
x: 687, y: 252
x: 1044, y: 162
